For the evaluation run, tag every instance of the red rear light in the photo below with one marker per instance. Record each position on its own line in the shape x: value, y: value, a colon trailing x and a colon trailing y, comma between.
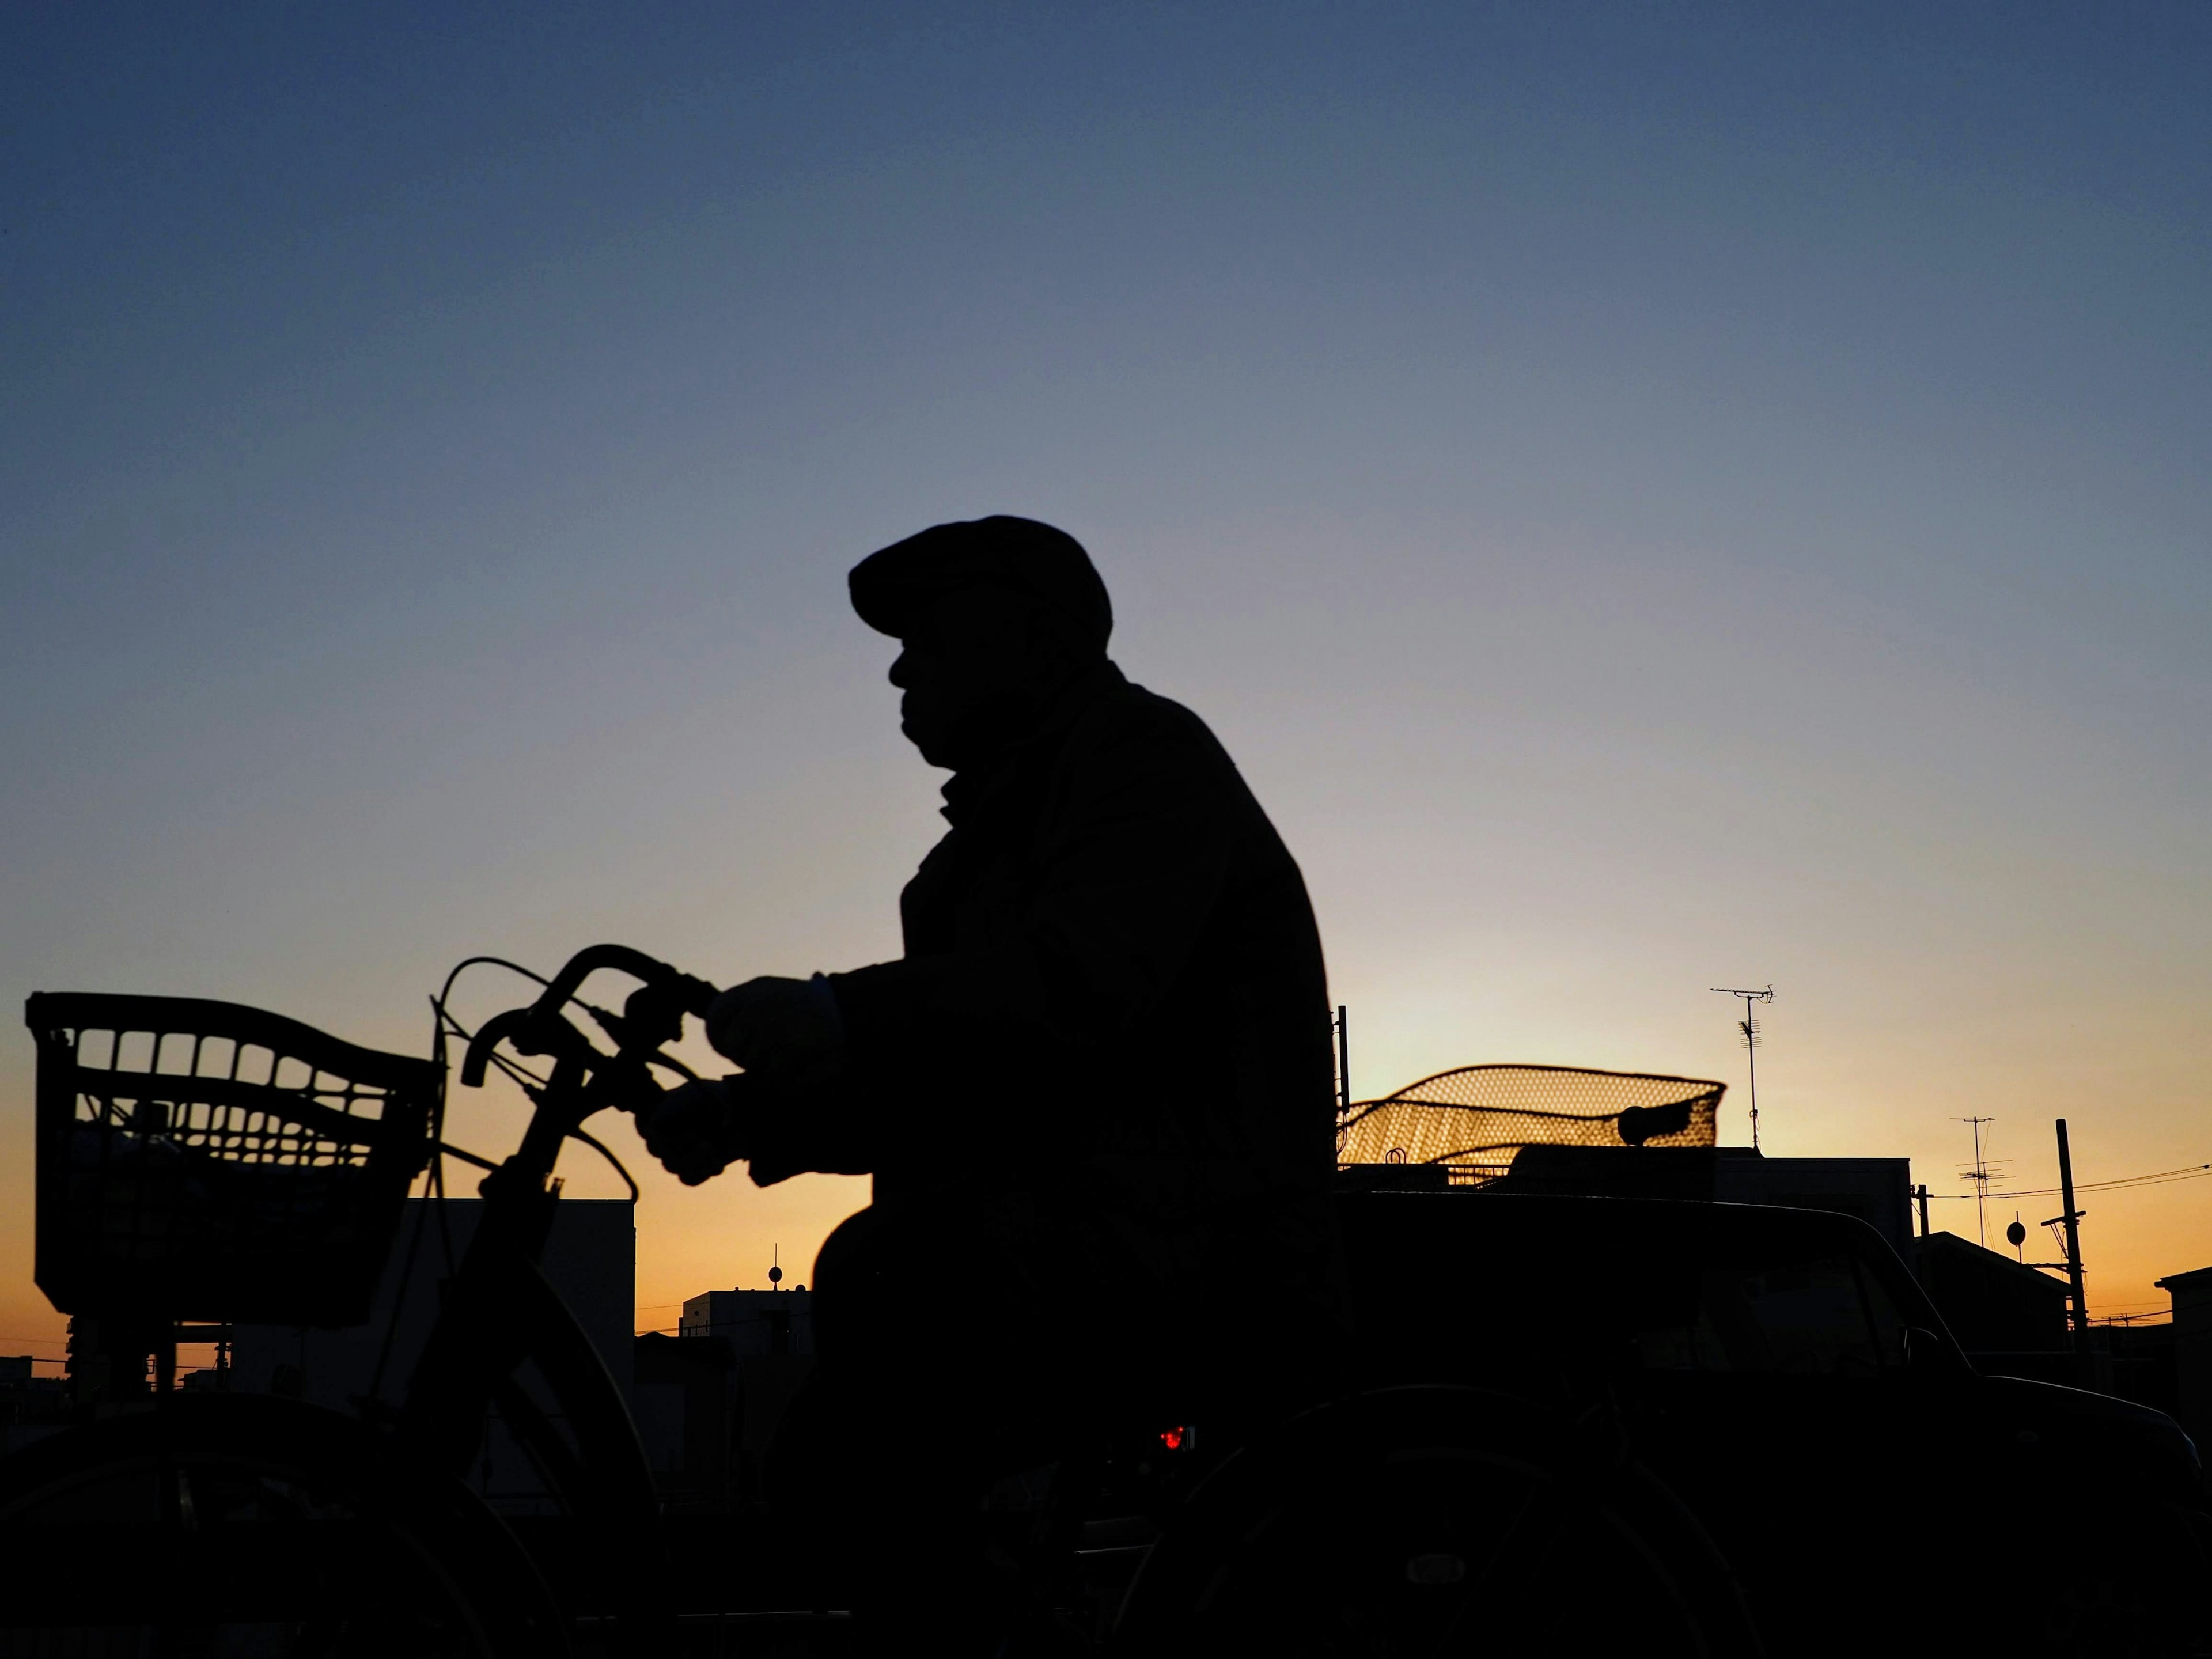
x: 1174, y: 1439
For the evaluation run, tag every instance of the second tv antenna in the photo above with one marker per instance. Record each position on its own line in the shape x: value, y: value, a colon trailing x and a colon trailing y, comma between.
x: 1748, y: 1026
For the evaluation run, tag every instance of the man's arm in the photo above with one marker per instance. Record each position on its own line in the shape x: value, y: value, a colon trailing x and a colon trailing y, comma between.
x: 1133, y: 866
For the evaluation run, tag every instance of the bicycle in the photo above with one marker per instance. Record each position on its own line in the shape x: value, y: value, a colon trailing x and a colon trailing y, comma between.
x: 1367, y: 1523
x: 195, y: 1192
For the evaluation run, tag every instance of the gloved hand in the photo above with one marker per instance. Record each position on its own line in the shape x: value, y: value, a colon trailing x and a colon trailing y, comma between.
x: 696, y: 1129
x: 787, y: 1028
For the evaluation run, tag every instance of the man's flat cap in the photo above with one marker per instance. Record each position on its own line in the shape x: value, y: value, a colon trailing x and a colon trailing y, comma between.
x: 1046, y: 566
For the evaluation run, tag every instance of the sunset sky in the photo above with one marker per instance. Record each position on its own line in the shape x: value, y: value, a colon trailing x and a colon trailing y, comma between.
x: 1653, y: 496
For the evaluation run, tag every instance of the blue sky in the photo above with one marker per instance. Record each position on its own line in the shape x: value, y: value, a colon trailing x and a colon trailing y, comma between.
x: 1654, y: 496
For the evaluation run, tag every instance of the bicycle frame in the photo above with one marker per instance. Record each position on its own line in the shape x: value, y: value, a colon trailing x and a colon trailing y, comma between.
x: 498, y: 1310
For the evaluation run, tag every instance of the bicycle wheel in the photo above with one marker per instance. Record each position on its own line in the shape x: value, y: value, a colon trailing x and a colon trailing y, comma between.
x: 1435, y: 1523
x: 251, y: 1524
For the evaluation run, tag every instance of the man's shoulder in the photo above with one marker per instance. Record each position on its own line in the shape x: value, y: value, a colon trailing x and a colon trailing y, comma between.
x: 1131, y: 738
x: 1129, y: 714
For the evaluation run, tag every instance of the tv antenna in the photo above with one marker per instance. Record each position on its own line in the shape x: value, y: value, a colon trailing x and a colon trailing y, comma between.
x: 1748, y: 1026
x: 1981, y: 1174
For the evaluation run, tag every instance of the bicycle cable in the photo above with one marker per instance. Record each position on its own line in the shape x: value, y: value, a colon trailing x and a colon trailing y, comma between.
x: 399, y: 1297
x: 443, y: 1025
x: 465, y: 963
x: 529, y: 1080
x: 605, y: 1151
x: 447, y: 991
x: 432, y: 1192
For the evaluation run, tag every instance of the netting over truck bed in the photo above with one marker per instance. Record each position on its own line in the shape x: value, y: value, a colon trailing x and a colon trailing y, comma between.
x: 1473, y: 1119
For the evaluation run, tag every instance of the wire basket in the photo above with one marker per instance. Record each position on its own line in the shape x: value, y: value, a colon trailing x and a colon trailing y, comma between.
x: 1473, y: 1120
x: 204, y: 1161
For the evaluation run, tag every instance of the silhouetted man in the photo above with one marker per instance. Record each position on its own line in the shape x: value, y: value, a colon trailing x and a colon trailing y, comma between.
x: 1095, y: 1093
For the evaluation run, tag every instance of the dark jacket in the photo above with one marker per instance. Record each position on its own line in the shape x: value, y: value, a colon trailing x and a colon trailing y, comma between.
x: 1111, y: 1011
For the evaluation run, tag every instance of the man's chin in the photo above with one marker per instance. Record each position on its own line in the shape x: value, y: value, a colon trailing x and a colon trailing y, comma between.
x: 932, y: 744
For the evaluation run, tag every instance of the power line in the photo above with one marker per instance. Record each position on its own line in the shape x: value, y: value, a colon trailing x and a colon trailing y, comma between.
x: 2158, y: 1178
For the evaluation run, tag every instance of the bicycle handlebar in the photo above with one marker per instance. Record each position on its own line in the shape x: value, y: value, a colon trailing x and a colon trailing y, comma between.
x: 653, y: 1014
x: 689, y: 995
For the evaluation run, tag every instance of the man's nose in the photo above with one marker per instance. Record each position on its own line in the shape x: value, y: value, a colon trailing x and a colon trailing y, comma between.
x: 898, y: 676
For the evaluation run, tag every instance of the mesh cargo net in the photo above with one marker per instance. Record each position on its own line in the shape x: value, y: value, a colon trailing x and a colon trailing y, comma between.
x: 1473, y: 1119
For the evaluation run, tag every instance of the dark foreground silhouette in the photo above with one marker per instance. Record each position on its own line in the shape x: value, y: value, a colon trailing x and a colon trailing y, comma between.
x: 1098, y: 1079
x: 1248, y: 1405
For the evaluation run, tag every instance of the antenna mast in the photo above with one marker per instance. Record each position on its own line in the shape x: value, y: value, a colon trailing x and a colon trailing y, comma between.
x: 1748, y: 1026
x: 1980, y: 1175
x: 1343, y: 1024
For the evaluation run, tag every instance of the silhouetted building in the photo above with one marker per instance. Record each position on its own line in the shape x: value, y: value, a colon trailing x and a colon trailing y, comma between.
x: 686, y: 1405
x: 2192, y: 1350
x: 31, y: 1406
x: 754, y: 1321
x: 2012, y: 1318
x: 1877, y: 1190
x: 709, y: 1397
x: 2134, y: 1361
x: 590, y: 1259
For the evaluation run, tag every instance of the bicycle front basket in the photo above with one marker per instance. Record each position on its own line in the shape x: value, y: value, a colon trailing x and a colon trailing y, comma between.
x: 204, y: 1161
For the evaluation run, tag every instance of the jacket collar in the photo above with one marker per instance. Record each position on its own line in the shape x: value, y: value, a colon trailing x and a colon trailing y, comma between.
x: 973, y: 789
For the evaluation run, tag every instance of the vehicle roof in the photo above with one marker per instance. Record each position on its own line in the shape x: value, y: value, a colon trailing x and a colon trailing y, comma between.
x: 1584, y: 1270
x: 1465, y: 1213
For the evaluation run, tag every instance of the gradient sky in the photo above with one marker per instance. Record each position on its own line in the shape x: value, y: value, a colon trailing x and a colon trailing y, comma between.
x: 1654, y: 497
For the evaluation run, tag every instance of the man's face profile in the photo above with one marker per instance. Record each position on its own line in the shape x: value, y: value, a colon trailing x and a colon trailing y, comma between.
x: 967, y: 664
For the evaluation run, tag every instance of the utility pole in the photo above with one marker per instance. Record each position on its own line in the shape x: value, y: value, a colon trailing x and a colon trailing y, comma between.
x: 1343, y: 1058
x: 1980, y: 1175
x: 2072, y: 1219
x: 1749, y: 1027
x: 1921, y: 1194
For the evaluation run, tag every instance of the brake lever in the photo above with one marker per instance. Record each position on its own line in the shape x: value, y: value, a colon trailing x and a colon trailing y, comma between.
x: 652, y: 1015
x: 522, y: 1029
x: 673, y: 1064
x: 512, y: 1026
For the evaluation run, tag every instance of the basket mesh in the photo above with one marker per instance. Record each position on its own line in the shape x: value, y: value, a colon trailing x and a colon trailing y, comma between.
x: 1473, y: 1119
x: 201, y: 1160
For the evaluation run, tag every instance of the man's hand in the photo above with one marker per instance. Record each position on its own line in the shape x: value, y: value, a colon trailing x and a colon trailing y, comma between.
x: 787, y: 1028
x: 695, y: 1130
